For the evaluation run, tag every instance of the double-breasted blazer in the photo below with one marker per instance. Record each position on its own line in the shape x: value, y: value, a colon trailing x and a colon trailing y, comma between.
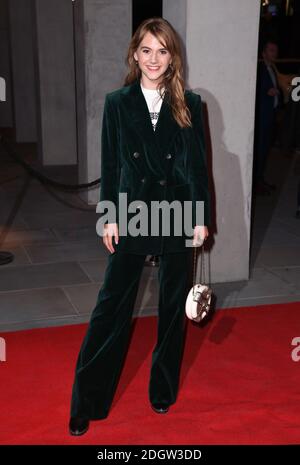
x: 166, y: 164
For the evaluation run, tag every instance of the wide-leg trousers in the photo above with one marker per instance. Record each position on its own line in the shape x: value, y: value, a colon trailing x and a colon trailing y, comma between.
x: 103, y: 348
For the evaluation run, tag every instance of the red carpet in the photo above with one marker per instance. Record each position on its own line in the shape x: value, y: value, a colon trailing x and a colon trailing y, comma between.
x: 239, y: 384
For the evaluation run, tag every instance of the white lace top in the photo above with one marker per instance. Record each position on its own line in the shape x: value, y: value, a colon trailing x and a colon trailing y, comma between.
x: 154, y: 102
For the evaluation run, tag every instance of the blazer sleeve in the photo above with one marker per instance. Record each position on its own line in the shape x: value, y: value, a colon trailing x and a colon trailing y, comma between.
x: 198, y: 174
x: 110, y: 160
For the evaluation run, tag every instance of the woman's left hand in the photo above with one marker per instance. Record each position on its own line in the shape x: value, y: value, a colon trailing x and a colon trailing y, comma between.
x: 200, y: 234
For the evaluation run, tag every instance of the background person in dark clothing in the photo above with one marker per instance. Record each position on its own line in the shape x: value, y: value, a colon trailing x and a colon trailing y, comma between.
x: 267, y: 101
x: 298, y: 201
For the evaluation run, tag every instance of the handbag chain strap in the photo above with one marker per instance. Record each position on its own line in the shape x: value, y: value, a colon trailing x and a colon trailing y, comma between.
x: 202, y: 266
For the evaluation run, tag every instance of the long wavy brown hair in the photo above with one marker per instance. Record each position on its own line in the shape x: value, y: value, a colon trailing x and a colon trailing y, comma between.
x: 173, y: 81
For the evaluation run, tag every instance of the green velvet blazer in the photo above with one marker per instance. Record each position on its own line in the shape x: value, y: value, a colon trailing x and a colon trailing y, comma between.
x: 166, y: 164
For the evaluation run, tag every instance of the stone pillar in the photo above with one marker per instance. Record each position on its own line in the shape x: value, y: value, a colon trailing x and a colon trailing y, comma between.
x: 23, y: 73
x: 221, y: 43
x: 102, y: 34
x: 55, y: 82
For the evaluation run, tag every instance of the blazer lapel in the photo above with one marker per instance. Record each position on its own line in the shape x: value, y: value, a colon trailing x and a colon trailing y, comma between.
x: 166, y: 127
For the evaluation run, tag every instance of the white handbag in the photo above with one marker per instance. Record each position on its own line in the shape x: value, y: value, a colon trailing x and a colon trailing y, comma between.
x: 198, y: 302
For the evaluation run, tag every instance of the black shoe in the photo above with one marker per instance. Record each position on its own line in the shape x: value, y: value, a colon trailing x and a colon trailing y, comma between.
x: 78, y: 426
x: 160, y: 408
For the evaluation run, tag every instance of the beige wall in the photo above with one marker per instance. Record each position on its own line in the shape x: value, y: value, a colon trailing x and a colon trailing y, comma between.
x: 102, y: 34
x: 221, y: 54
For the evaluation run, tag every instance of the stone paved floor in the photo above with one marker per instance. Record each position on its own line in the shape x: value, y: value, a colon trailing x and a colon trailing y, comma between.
x: 60, y: 261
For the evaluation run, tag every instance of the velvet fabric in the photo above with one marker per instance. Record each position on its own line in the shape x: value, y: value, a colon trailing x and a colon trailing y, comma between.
x: 166, y: 164
x: 102, y: 352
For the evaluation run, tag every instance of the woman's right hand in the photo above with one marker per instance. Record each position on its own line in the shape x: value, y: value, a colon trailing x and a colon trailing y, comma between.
x: 110, y: 230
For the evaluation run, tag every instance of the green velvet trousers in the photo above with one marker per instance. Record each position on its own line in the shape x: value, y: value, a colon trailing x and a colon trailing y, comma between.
x: 104, y: 346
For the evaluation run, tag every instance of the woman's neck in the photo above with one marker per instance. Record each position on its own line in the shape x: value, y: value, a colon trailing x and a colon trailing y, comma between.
x: 148, y: 89
x: 147, y: 85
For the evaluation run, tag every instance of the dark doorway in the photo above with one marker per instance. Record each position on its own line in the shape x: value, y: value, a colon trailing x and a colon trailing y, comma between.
x: 143, y: 9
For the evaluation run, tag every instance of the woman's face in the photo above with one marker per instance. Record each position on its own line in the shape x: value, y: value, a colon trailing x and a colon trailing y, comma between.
x: 153, y: 60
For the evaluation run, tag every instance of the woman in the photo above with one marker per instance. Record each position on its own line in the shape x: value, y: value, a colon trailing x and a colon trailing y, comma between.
x: 152, y: 150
